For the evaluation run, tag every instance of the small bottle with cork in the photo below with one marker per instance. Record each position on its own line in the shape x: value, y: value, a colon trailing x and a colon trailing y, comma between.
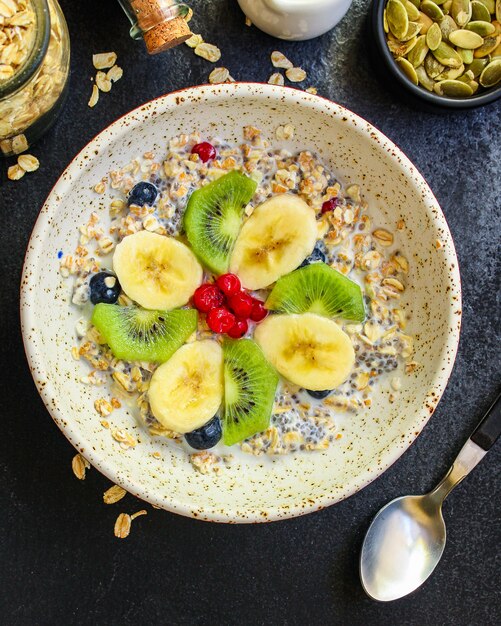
x: 162, y: 24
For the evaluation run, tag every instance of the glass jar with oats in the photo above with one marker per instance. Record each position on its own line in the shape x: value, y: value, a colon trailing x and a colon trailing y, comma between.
x: 34, y: 67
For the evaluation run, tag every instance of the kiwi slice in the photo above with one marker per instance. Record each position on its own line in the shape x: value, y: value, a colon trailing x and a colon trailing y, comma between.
x: 318, y: 288
x: 250, y: 383
x: 136, y: 334
x: 213, y: 218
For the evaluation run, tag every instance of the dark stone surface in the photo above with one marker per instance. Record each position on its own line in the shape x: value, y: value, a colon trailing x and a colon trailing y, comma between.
x: 60, y: 563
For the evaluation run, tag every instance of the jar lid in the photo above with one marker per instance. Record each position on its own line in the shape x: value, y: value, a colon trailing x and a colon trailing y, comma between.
x: 161, y: 24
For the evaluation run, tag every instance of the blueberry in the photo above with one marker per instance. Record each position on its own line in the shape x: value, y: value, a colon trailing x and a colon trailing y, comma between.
x: 104, y: 287
x: 143, y: 193
x: 319, y: 394
x: 207, y: 436
x: 318, y: 255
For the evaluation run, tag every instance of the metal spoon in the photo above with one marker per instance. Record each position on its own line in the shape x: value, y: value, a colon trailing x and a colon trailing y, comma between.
x: 406, y: 539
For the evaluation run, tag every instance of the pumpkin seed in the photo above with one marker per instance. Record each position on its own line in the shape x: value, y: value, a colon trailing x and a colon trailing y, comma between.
x: 466, y: 77
x: 489, y: 45
x: 417, y: 55
x: 466, y: 39
x: 433, y: 36
x: 481, y: 28
x: 425, y: 21
x: 496, y: 53
x: 385, y: 23
x: 440, y: 2
x: 498, y: 10
x: 432, y: 66
x: 447, y: 26
x: 476, y: 66
x: 412, y: 10
x: 446, y: 7
x: 407, y: 69
x: 412, y: 31
x: 491, y: 74
x: 453, y: 89
x: 423, y: 78
x: 461, y: 12
x: 480, y: 12
x: 416, y: 3
x: 447, y: 55
x: 397, y: 18
x: 400, y: 49
x: 451, y: 73
x: 497, y: 26
x: 466, y: 55
x: 432, y: 10
x: 490, y: 5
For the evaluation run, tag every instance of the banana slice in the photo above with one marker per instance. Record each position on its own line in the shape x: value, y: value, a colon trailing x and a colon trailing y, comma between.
x: 187, y: 390
x: 157, y: 272
x: 276, y: 238
x: 309, y: 350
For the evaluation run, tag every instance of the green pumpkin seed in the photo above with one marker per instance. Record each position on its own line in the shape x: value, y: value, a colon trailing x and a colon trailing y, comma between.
x: 495, y: 54
x: 412, y: 10
x: 498, y: 10
x: 453, y: 89
x: 474, y: 85
x: 490, y: 5
x: 386, y: 28
x: 480, y: 12
x: 432, y: 66
x: 447, y: 26
x: 491, y: 75
x: 489, y: 45
x: 407, y: 69
x: 425, y: 21
x: 432, y: 10
x: 446, y: 7
x: 399, y: 49
x: 447, y: 55
x: 416, y: 3
x: 466, y: 55
x: 417, y: 55
x: 439, y: 2
x: 451, y: 73
x: 461, y: 12
x: 423, y: 78
x: 433, y: 36
x: 412, y: 31
x: 466, y: 39
x: 397, y: 18
x: 484, y: 29
x: 476, y: 66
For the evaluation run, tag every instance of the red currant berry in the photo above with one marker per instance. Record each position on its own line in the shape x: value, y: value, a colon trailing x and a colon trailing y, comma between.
x: 241, y: 304
x: 229, y: 284
x: 220, y: 320
x: 258, y: 312
x: 238, y: 329
x: 207, y: 297
x: 205, y: 151
x: 330, y: 205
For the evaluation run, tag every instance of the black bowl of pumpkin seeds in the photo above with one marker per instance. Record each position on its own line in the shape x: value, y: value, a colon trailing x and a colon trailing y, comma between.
x: 444, y: 52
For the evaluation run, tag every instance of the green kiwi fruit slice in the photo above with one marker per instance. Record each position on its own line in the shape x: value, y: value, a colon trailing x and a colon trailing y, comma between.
x: 250, y: 383
x: 213, y: 218
x: 318, y: 288
x: 136, y: 334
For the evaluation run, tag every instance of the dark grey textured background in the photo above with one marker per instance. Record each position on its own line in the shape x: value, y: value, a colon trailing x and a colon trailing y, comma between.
x: 59, y: 560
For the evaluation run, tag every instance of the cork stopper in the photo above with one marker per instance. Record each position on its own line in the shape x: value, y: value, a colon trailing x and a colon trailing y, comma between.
x: 161, y: 25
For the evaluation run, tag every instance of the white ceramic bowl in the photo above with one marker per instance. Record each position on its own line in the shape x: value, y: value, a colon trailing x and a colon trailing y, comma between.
x: 253, y: 489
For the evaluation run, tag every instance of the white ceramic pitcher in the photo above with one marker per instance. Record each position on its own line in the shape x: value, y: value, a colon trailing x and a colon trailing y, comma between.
x: 295, y: 19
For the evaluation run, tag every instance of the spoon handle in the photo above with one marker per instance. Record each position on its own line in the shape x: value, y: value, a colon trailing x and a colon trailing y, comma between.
x: 473, y: 451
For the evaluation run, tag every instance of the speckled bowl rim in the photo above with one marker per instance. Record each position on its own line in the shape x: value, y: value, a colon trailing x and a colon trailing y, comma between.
x: 207, y: 93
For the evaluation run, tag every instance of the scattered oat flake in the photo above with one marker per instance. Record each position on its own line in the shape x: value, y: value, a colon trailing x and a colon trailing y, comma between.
x: 280, y: 60
x: 123, y: 438
x: 438, y: 244
x: 285, y: 132
x: 295, y: 74
x: 103, y: 60
x: 248, y: 21
x: 312, y: 90
x: 208, y: 51
x: 114, y: 494
x: 94, y: 97
x: 100, y: 187
x: 15, y: 172
x: 219, y: 75
x: 28, y: 162
x: 79, y: 465
x: 103, y: 82
x: 194, y: 41
x: 138, y: 514
x: 114, y: 74
x: 122, y: 526
x: 276, y: 79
